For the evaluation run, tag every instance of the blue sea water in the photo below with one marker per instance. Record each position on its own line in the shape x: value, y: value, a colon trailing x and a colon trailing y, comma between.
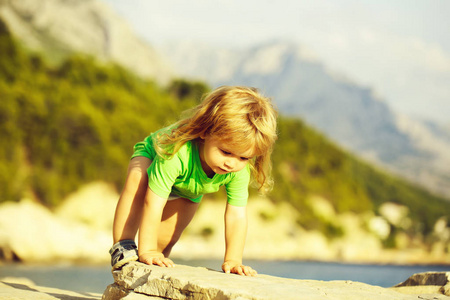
x: 82, y: 278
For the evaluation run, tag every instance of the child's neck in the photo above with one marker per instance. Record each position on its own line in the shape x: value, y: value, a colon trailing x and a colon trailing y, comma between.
x: 208, y: 171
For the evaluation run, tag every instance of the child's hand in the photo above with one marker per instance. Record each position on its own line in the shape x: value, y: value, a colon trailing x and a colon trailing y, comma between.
x: 156, y: 258
x: 238, y: 268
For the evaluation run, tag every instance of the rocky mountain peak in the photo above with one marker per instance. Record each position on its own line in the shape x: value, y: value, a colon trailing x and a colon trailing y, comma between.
x: 60, y: 27
x: 272, y: 57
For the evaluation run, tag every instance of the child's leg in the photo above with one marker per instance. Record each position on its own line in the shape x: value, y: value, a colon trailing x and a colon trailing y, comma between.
x: 176, y: 216
x: 129, y: 208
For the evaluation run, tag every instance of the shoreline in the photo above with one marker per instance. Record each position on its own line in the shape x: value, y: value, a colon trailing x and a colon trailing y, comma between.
x: 81, y: 263
x: 33, y: 234
x: 340, y: 262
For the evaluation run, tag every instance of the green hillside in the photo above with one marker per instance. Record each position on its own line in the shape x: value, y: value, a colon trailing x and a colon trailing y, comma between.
x: 64, y: 126
x: 306, y: 163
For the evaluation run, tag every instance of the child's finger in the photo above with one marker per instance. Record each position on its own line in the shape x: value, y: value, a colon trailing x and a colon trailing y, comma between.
x: 238, y: 270
x: 226, y: 268
x: 168, y: 262
x: 157, y: 261
x: 248, y: 271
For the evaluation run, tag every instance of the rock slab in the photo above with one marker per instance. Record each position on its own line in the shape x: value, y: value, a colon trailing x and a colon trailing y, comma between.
x: 426, y: 283
x: 140, y: 281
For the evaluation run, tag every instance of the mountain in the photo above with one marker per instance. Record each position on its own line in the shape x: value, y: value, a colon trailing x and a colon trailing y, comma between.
x: 350, y: 114
x: 301, y: 85
x: 61, y: 27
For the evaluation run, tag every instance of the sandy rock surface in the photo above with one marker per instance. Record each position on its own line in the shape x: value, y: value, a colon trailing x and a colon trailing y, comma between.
x: 136, y: 281
x: 24, y: 289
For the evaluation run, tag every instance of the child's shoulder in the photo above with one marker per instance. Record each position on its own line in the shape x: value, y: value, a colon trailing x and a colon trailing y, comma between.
x: 187, y: 149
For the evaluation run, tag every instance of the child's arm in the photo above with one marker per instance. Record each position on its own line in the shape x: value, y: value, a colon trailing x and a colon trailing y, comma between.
x: 235, y: 234
x: 148, y: 231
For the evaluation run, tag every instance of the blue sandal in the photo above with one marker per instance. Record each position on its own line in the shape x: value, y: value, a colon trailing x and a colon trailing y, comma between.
x: 123, y: 252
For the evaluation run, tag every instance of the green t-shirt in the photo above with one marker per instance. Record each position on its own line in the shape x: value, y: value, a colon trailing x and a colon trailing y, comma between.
x: 183, y: 175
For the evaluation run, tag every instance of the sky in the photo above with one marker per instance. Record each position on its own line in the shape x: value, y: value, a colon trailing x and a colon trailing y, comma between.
x: 399, y: 48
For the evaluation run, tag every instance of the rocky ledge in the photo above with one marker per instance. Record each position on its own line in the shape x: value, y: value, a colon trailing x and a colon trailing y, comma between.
x: 140, y: 281
x: 14, y: 288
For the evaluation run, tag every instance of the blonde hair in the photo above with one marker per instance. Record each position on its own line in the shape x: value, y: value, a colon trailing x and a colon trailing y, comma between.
x: 239, y: 116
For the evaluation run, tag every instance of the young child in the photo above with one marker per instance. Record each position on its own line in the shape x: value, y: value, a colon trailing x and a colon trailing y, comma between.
x: 227, y: 139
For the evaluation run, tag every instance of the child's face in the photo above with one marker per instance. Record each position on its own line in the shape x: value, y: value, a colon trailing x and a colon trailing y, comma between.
x: 217, y: 157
